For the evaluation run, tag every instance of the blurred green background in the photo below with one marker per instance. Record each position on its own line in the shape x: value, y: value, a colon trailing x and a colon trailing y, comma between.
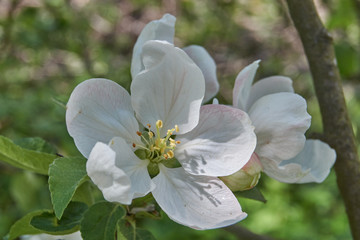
x: 47, y: 47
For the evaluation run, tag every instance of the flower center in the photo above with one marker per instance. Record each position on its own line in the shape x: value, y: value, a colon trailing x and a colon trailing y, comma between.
x: 158, y: 149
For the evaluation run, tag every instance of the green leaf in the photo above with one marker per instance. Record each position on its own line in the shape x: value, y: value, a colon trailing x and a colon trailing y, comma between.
x: 84, y: 194
x: 69, y: 223
x: 253, y: 193
x: 23, y: 226
x: 128, y: 231
x: 65, y: 176
x: 100, y: 221
x: 23, y: 158
x: 36, y: 144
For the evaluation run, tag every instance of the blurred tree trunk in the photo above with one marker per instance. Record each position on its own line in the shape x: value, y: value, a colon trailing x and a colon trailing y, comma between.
x: 338, y: 131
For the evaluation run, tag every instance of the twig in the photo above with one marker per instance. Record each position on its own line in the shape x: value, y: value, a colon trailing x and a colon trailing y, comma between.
x: 337, y: 126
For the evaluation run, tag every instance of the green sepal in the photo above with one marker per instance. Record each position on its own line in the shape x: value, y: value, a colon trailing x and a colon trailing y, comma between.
x: 253, y: 194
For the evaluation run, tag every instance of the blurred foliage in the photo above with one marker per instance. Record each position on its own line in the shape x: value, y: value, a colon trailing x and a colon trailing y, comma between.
x: 47, y: 47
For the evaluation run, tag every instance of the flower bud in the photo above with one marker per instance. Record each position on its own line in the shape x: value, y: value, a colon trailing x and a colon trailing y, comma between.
x: 247, y: 177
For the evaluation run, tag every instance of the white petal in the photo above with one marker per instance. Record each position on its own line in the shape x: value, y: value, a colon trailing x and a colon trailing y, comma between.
x: 43, y: 236
x: 312, y: 164
x: 243, y: 84
x: 220, y: 145
x: 111, y: 180
x: 208, y: 67
x: 162, y: 29
x: 135, y: 168
x: 171, y: 88
x: 199, y: 202
x: 97, y: 111
x: 280, y: 122
x: 266, y: 86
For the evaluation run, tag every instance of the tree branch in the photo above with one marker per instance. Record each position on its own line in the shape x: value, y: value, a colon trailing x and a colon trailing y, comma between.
x: 337, y: 126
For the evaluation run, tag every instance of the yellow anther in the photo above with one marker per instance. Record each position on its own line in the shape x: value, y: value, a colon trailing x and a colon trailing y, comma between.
x: 151, y: 134
x: 172, y: 141
x: 178, y: 142
x: 170, y: 131
x: 138, y: 133
x: 170, y: 154
x: 149, y: 126
x: 159, y: 124
x: 176, y: 128
x: 165, y: 156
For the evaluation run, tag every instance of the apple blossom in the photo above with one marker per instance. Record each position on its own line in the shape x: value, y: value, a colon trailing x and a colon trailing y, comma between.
x: 164, y: 29
x: 161, y: 140
x: 280, y: 119
x: 43, y: 236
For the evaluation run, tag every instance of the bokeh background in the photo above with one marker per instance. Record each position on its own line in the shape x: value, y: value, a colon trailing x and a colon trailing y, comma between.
x: 47, y: 47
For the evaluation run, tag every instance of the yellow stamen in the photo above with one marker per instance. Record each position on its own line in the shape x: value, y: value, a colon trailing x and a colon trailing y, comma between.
x: 149, y: 126
x: 138, y: 133
x: 151, y: 134
x: 159, y: 124
x: 176, y: 128
x: 165, y: 156
x: 170, y: 154
x: 178, y: 142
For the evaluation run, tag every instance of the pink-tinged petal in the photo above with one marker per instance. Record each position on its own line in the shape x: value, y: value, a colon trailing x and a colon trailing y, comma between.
x: 208, y: 67
x: 280, y: 122
x: 135, y: 169
x: 199, y: 202
x: 111, y: 180
x: 312, y: 164
x: 243, y: 84
x: 97, y: 111
x: 171, y: 88
x: 162, y: 29
x: 220, y: 145
x: 270, y: 85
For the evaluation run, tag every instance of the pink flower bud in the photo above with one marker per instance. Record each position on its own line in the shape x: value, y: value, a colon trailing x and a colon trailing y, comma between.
x: 247, y: 177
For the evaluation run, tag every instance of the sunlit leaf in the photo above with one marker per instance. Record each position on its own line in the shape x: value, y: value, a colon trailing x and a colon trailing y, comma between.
x: 23, y: 226
x: 23, y: 158
x: 65, y: 176
x: 36, y: 144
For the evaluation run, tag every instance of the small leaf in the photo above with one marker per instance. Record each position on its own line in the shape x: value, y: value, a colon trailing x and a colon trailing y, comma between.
x: 69, y: 223
x: 36, y: 144
x: 253, y: 193
x: 65, y: 176
x: 128, y: 231
x: 100, y: 221
x: 23, y: 226
x: 23, y: 158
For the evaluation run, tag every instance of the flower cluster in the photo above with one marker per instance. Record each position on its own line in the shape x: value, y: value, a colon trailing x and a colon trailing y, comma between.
x: 163, y: 140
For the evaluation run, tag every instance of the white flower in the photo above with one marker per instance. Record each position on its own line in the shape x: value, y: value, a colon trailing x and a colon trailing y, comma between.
x: 131, y: 149
x: 280, y: 119
x: 72, y: 236
x: 164, y: 30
